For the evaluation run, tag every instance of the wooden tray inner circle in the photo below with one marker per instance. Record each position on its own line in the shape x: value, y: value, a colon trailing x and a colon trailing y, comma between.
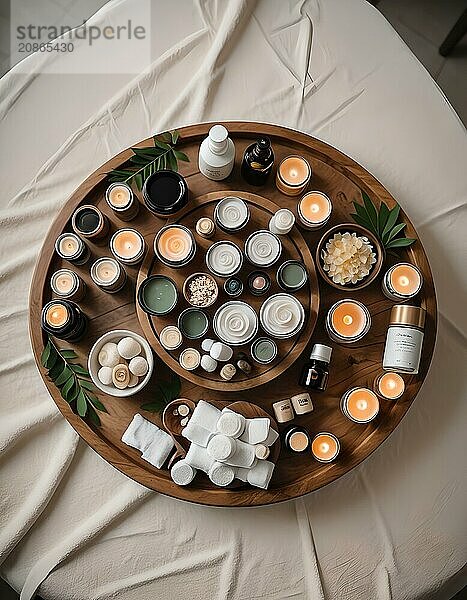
x: 294, y: 247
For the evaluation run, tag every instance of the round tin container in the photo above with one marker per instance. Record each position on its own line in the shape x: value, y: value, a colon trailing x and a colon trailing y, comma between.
x: 71, y: 247
x: 77, y: 290
x: 165, y: 192
x: 224, y: 259
x: 113, y: 284
x: 263, y: 248
x: 193, y: 323
x: 334, y: 335
x: 90, y: 223
x: 157, y: 295
x: 231, y: 214
x: 235, y: 323
x: 291, y: 275
x: 175, y: 252
x: 128, y: 260
x: 387, y: 286
x: 264, y: 350
x: 282, y: 316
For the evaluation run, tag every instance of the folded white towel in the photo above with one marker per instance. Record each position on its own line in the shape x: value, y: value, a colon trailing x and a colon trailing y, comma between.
x: 139, y: 433
x: 242, y: 472
x: 206, y: 415
x: 256, y: 430
x: 260, y: 475
x: 159, y: 449
x: 197, y: 434
x: 199, y: 458
x: 272, y: 437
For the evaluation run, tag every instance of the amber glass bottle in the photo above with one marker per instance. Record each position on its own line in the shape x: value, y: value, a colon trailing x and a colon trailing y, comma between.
x: 258, y: 161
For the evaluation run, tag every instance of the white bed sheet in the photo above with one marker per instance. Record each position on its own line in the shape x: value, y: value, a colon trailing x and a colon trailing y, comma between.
x: 395, y: 527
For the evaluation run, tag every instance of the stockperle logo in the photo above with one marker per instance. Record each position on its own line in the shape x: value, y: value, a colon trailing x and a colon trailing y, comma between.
x: 112, y: 41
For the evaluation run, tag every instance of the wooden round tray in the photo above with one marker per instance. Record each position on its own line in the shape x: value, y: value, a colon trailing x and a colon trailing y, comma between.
x: 294, y: 247
x: 343, y: 180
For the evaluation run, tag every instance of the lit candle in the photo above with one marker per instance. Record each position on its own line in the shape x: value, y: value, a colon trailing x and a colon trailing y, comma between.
x: 67, y: 284
x: 402, y: 281
x: 70, y: 247
x: 57, y: 315
x: 348, y: 321
x: 293, y: 175
x: 360, y: 405
x: 325, y: 447
x: 108, y: 274
x: 389, y: 385
x: 122, y: 201
x: 314, y: 210
x: 128, y: 246
x: 175, y: 245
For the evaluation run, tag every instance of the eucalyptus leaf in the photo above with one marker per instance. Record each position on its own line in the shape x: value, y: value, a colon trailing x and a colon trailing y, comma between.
x: 358, y: 219
x: 181, y: 156
x: 46, y: 354
x: 174, y: 135
x: 68, y: 354
x: 81, y: 404
x: 361, y: 211
x: 80, y: 370
x: 383, y: 215
x: 64, y: 376
x: 96, y: 402
x: 370, y: 210
x: 397, y: 229
x: 401, y: 243
x: 68, y: 390
x: 392, y: 219
x: 55, y: 371
x: 93, y: 416
x: 87, y: 385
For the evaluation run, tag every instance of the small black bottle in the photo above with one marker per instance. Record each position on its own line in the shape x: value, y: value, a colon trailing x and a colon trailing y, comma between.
x: 64, y: 320
x: 315, y: 373
x: 258, y: 161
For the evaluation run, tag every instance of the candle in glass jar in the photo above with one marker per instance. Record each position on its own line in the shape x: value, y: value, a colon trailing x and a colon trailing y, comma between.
x: 108, y: 274
x: 67, y: 284
x: 128, y: 246
x: 293, y: 175
x: 175, y: 245
x: 402, y: 281
x: 70, y: 247
x: 348, y: 321
x: 56, y: 315
x: 360, y: 405
x: 325, y: 447
x: 314, y: 210
x: 389, y: 385
x: 122, y: 201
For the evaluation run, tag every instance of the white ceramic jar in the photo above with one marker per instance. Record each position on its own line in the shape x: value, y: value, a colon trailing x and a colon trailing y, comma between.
x: 216, y: 154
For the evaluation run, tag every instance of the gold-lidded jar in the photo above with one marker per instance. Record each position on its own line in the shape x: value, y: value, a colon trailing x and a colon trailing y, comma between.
x: 404, y: 339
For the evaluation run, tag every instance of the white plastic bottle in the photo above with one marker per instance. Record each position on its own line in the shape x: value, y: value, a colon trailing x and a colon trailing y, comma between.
x: 216, y: 154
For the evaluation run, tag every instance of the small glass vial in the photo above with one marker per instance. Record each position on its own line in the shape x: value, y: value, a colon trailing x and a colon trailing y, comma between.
x: 70, y: 247
x: 64, y: 320
x: 67, y: 284
x: 404, y: 339
x: 258, y: 161
x: 216, y: 154
x: 402, y: 282
x: 315, y: 373
x: 122, y: 201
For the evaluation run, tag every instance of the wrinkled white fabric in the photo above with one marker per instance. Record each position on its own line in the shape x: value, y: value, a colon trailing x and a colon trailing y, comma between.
x: 393, y: 528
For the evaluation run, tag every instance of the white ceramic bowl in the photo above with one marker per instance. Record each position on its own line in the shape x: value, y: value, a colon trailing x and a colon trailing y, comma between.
x: 94, y: 366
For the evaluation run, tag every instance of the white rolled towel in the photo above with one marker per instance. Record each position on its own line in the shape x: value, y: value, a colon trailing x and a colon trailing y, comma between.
x: 139, y: 433
x: 199, y: 458
x: 196, y: 433
x: 159, y: 449
x: 231, y: 451
x: 206, y: 415
x: 221, y: 474
x: 260, y: 475
x: 256, y: 430
x: 231, y: 423
x: 182, y: 472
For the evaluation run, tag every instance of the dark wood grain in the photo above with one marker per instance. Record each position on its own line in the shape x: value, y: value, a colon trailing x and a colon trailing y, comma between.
x: 341, y: 178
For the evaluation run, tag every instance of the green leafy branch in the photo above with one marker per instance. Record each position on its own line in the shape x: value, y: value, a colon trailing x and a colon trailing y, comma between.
x: 381, y: 222
x: 72, y: 380
x: 148, y: 160
x: 166, y: 392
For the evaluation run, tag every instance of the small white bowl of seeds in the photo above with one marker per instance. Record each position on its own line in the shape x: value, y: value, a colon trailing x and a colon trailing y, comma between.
x: 120, y: 363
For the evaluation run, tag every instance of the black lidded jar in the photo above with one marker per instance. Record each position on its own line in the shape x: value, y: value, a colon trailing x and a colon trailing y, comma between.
x: 64, y: 320
x: 315, y: 372
x: 165, y: 192
x: 258, y: 161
